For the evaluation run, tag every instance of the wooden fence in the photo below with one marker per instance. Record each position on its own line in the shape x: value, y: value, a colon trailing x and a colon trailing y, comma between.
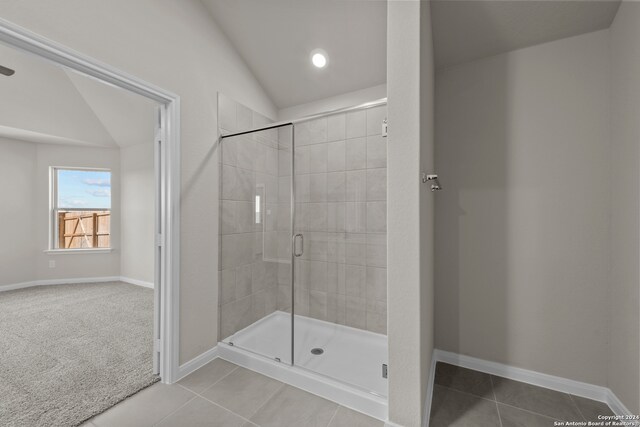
x: 84, y: 229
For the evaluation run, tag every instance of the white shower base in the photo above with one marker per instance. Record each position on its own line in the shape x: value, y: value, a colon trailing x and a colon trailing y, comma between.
x: 349, y: 371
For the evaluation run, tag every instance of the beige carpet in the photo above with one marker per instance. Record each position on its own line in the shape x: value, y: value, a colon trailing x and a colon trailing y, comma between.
x: 68, y: 352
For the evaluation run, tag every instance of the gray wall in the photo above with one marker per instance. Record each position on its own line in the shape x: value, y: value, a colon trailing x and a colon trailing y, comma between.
x: 17, y: 215
x: 624, y: 345
x: 25, y: 214
x: 522, y: 228
x: 137, y: 212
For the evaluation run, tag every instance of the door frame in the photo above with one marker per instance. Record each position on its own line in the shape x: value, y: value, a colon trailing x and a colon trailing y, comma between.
x: 167, y: 148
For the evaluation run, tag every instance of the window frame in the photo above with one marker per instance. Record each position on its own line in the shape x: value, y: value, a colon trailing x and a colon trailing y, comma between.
x: 54, y: 209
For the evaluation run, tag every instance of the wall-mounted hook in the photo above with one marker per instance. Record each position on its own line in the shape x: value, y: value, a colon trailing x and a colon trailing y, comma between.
x: 433, y: 178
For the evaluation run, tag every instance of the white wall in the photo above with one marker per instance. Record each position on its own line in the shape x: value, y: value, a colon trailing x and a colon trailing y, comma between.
x: 624, y: 344
x: 25, y: 214
x: 344, y: 100
x: 17, y: 230
x: 137, y: 212
x: 202, y: 62
x: 522, y: 149
x: 410, y: 94
x: 70, y: 266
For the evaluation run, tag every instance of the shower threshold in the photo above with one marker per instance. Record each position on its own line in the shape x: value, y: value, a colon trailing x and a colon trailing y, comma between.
x: 337, y: 362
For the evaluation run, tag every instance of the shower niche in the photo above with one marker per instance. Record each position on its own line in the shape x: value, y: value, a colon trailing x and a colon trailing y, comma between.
x: 302, y: 257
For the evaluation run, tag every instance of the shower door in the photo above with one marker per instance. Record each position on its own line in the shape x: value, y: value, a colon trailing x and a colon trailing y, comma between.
x: 255, y: 253
x: 303, y: 243
x: 340, y: 254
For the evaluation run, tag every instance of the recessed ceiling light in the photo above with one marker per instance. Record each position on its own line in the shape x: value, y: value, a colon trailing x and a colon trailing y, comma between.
x: 319, y: 58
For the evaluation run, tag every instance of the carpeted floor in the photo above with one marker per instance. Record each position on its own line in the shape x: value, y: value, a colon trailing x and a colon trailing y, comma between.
x: 68, y: 352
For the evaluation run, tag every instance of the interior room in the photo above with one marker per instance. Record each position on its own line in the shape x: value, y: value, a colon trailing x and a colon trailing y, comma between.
x: 373, y: 213
x: 77, y: 278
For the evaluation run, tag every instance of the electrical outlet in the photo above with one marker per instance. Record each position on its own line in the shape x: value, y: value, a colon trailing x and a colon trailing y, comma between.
x: 52, y: 263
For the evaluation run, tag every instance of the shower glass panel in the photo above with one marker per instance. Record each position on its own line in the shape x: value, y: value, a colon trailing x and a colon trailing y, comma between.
x: 303, y: 241
x: 340, y: 277
x: 255, y: 251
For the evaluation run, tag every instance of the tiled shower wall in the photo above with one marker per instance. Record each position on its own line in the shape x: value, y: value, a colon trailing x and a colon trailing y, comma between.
x: 341, y: 193
x: 248, y: 260
x: 340, y: 180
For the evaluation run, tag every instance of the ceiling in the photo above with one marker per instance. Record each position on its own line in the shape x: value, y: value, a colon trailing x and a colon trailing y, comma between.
x: 468, y: 30
x: 276, y: 37
x: 46, y: 103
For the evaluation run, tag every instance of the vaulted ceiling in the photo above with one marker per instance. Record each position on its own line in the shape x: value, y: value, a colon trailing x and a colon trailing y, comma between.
x: 45, y: 103
x: 276, y: 38
x: 473, y: 29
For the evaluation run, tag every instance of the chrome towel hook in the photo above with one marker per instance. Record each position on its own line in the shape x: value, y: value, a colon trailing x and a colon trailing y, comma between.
x: 433, y: 178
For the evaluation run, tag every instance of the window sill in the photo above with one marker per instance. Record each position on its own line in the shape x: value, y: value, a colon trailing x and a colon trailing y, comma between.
x: 78, y: 251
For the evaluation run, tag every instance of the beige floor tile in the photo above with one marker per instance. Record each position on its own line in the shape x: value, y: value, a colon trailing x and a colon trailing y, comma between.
x: 146, y: 407
x: 206, y: 376
x: 347, y: 418
x: 536, y: 399
x: 201, y: 413
x: 591, y: 409
x: 451, y: 408
x: 514, y: 417
x: 243, y: 391
x: 291, y: 407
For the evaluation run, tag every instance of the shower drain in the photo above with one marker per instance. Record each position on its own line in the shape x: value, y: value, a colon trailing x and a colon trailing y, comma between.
x: 317, y: 351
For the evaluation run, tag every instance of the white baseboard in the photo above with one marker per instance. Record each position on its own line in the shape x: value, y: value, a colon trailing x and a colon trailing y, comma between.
x: 578, y: 388
x: 429, y: 396
x: 22, y: 285
x: 48, y: 282
x: 616, y: 405
x: 136, y: 282
x: 197, y: 363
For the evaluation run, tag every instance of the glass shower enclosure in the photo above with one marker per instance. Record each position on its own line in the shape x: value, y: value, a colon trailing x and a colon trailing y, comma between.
x: 303, y: 241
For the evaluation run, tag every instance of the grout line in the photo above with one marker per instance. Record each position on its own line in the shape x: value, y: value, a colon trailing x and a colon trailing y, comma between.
x: 334, y: 415
x: 282, y: 385
x: 226, y: 409
x: 499, y: 416
x: 576, y: 406
x: 527, y: 410
x: 495, y: 400
x: 215, y: 382
x: 493, y: 390
x: 465, y: 393
x: 177, y: 409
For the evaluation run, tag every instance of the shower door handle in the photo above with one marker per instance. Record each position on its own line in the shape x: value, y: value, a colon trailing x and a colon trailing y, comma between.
x: 295, y: 246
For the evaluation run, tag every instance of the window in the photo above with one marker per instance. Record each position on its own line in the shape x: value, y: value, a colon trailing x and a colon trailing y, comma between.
x: 81, y: 208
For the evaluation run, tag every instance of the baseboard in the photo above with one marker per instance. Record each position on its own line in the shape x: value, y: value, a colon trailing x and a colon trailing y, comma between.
x: 197, y: 362
x: 616, y: 405
x: 22, y: 285
x: 429, y: 396
x: 48, y: 282
x: 136, y: 282
x: 578, y: 388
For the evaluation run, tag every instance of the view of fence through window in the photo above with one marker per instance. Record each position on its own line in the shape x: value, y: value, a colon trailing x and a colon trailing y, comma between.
x: 81, y: 208
x: 84, y: 229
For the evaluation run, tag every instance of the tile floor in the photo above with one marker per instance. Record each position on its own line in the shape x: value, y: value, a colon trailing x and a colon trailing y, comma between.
x: 223, y: 394
x: 463, y: 397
